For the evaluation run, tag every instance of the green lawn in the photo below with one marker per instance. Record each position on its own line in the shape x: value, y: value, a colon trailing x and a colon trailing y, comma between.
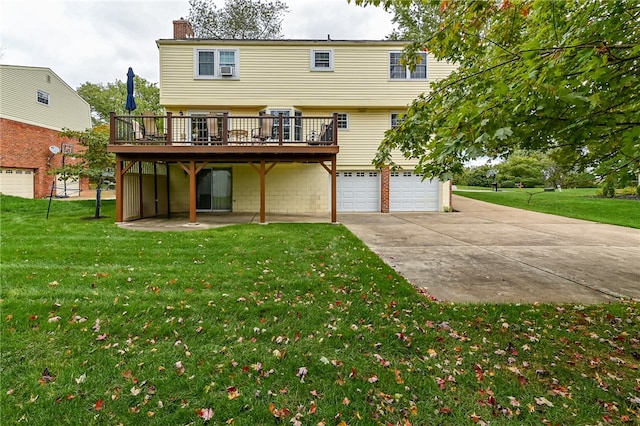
x: 576, y: 203
x: 279, y: 324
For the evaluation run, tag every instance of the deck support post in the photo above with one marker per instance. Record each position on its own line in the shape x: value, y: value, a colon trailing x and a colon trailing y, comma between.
x: 263, y: 186
x: 334, y: 218
x: 141, y: 190
x: 192, y: 191
x: 262, y: 172
x: 119, y: 190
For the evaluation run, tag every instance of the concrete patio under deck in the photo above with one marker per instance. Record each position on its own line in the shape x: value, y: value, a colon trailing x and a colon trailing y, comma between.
x: 180, y: 222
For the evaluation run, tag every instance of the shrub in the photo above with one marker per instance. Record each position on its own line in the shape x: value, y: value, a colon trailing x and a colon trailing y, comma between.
x: 579, y: 180
x: 478, y: 176
x: 608, y: 190
x: 628, y: 190
x: 508, y: 184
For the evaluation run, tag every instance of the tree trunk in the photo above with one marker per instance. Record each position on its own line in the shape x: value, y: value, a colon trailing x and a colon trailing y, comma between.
x: 98, y: 201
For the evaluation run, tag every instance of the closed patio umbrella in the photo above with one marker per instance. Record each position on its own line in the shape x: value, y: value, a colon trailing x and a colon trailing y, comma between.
x: 131, y: 102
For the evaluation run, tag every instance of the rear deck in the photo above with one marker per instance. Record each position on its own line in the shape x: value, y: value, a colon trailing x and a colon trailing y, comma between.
x: 194, y: 141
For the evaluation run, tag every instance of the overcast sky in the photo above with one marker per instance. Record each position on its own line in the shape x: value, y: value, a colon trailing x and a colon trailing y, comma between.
x: 96, y: 41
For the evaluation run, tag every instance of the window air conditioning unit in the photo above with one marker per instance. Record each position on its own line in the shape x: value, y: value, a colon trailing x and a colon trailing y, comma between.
x: 226, y: 71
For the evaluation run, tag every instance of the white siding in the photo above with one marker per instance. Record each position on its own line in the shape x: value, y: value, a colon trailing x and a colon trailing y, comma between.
x: 19, y: 87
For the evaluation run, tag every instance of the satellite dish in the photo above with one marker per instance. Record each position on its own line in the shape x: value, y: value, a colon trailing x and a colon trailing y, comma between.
x: 54, y: 149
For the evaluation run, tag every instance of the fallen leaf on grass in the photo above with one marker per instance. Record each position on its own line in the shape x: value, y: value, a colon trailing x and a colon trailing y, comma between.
x: 399, y: 379
x: 514, y: 402
x: 46, y: 377
x: 278, y: 413
x: 543, y: 401
x: 477, y: 419
x: 99, y: 405
x: 232, y: 392
x: 479, y: 372
x: 205, y: 414
x: 179, y: 368
x: 302, y: 372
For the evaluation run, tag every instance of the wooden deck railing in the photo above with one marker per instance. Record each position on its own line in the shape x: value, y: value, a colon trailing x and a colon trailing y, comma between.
x: 222, y: 129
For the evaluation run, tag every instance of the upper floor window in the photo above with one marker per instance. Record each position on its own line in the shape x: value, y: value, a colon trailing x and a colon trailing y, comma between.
x: 43, y: 97
x: 343, y: 121
x: 216, y: 63
x: 322, y: 60
x: 398, y: 71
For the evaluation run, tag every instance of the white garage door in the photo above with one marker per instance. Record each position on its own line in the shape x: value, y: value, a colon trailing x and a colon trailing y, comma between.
x: 18, y: 182
x: 358, y: 191
x: 409, y: 193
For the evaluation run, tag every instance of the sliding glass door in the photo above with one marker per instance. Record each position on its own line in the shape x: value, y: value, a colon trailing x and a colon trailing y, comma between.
x: 213, y: 190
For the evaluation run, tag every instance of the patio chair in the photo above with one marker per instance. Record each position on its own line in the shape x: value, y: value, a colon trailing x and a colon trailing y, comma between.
x: 325, y: 137
x: 265, y: 131
x: 213, y: 131
x: 138, y: 132
x: 151, y: 127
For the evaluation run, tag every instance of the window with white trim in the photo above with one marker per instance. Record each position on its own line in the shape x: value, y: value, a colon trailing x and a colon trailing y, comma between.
x: 216, y: 63
x: 206, y: 126
x: 396, y: 119
x: 43, y: 97
x: 343, y: 121
x: 286, y: 122
x: 322, y: 60
x: 400, y: 71
x: 227, y: 58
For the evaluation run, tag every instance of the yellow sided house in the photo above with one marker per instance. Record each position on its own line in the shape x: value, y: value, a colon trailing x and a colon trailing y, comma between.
x: 272, y: 126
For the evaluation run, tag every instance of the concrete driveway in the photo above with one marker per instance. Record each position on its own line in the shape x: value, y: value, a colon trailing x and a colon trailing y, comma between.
x: 490, y: 253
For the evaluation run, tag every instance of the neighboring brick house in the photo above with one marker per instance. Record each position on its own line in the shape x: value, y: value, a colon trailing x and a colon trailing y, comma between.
x: 239, y: 109
x: 35, y: 105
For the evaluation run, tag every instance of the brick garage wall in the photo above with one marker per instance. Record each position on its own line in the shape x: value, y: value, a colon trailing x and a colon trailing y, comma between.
x: 384, y: 190
x: 27, y: 146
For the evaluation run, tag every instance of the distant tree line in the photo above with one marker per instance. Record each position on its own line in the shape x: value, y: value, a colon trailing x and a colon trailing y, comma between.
x: 529, y: 169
